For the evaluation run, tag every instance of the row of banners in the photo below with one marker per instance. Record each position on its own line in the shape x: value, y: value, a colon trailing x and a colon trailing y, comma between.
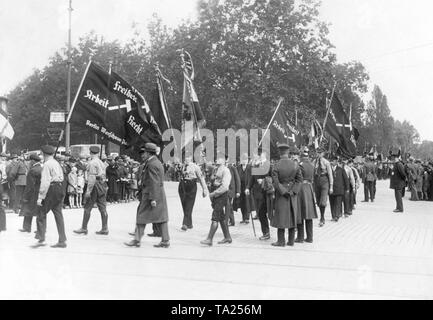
x: 115, y: 110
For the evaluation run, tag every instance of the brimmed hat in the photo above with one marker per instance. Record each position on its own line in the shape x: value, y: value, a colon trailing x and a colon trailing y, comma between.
x: 47, y: 149
x: 149, y: 147
x: 94, y: 149
x: 283, y: 146
x: 35, y: 157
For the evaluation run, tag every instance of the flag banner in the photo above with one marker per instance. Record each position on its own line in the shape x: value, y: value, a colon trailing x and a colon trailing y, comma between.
x: 158, y: 106
x: 315, y: 134
x: 6, y: 130
x: 110, y: 106
x: 340, y: 128
x: 192, y: 116
x: 283, y: 130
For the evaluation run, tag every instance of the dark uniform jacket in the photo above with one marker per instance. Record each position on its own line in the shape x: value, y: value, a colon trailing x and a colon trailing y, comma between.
x: 287, y: 179
x: 152, y: 189
x: 341, y: 181
x: 398, y: 176
x: 31, y: 192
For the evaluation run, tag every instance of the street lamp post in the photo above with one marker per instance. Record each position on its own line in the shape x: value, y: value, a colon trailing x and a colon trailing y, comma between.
x: 68, y: 102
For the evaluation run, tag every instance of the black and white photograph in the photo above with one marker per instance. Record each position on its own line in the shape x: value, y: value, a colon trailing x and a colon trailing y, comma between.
x: 226, y: 153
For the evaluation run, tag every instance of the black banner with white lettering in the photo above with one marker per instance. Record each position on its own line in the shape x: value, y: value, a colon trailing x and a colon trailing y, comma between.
x: 115, y: 110
x: 283, y: 130
x: 340, y: 128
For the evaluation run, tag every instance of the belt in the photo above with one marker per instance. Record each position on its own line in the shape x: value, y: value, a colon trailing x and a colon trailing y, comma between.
x: 56, y: 182
x: 307, y: 181
x: 189, y: 180
x: 322, y: 175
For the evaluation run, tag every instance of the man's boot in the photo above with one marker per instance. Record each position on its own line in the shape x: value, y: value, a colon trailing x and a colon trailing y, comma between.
x: 86, y: 218
x: 281, y: 242
x: 213, y: 229
x: 300, y: 237
x: 309, y: 227
x: 291, y: 241
x: 226, y: 232
x: 104, y: 230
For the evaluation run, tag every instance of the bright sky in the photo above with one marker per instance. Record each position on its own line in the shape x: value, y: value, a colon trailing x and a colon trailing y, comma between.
x: 393, y: 38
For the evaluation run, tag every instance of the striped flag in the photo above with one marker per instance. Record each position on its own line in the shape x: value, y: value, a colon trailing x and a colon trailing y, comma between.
x: 6, y: 130
x: 192, y: 116
x: 315, y: 134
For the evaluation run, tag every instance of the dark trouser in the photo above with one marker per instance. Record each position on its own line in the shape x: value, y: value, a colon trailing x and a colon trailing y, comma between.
x: 12, y: 196
x: 322, y: 214
x: 262, y: 213
x: 163, y: 227
x: 230, y: 217
x: 53, y: 202
x: 336, y: 203
x: 187, y: 192
x: 27, y: 223
x: 399, y: 198
x: 19, y: 191
x: 308, y: 229
x: 413, y: 192
x: 101, y: 202
x: 244, y: 206
x: 368, y: 191
x: 2, y: 219
x: 282, y: 238
x: 348, y: 206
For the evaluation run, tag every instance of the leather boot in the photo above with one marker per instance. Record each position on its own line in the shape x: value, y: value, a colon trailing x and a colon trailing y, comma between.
x: 309, y: 228
x: 104, y: 230
x: 226, y: 232
x: 300, y: 237
x: 213, y: 229
x: 291, y: 241
x: 281, y: 242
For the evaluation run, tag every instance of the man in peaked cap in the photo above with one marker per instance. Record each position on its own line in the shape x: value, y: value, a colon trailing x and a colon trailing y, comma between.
x: 369, y: 177
x: 153, y: 202
x: 50, y: 197
x: 398, y: 181
x: 96, y: 193
x: 323, y: 182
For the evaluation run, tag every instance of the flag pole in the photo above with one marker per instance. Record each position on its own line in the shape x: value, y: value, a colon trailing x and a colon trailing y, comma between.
x: 328, y: 109
x: 270, y: 122
x: 68, y: 94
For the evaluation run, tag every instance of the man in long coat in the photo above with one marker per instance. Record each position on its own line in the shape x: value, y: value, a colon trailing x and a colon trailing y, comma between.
x: 234, y: 192
x: 398, y: 181
x: 29, y: 207
x: 153, y: 202
x: 287, y: 179
x: 244, y: 202
x: 306, y: 202
x: 341, y: 189
x: 112, y: 173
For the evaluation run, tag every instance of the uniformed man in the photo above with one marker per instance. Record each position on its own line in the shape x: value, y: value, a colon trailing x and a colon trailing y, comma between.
x: 369, y: 178
x: 306, y: 201
x: 50, y: 198
x: 153, y: 202
x: 287, y: 180
x: 255, y: 184
x: 190, y: 174
x: 220, y: 183
x: 348, y: 206
x: 323, y: 182
x: 398, y: 181
x: 96, y: 192
x: 412, y: 176
x: 341, y: 189
x: 29, y: 207
x: 234, y: 192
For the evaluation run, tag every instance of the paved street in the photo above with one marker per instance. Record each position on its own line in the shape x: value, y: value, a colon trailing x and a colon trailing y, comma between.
x: 375, y: 254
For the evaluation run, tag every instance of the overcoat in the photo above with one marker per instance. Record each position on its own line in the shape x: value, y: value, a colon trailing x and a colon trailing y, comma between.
x: 29, y: 207
x: 112, y: 175
x: 306, y: 201
x: 152, y: 189
x: 244, y: 202
x: 287, y: 179
x: 398, y: 177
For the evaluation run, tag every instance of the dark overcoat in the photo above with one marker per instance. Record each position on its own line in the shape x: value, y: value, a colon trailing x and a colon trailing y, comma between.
x: 287, y: 179
x: 306, y: 201
x: 341, y: 182
x: 29, y: 207
x: 244, y: 202
x: 152, y: 189
x: 112, y: 175
x: 398, y: 176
